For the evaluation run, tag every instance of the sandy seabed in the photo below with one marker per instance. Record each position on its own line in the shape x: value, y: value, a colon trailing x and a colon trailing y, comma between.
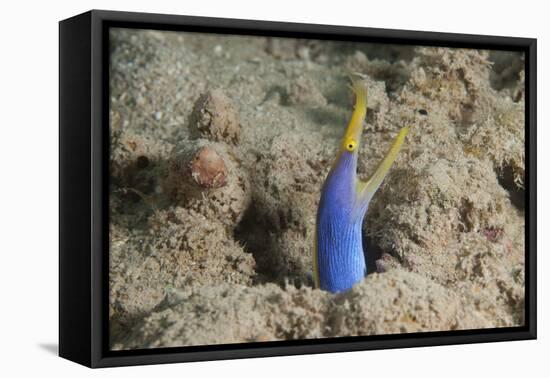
x: 220, y: 145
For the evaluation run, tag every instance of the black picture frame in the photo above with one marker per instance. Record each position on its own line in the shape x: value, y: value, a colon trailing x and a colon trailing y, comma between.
x: 83, y: 182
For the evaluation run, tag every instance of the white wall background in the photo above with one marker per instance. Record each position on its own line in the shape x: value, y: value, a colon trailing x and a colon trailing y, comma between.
x: 29, y: 189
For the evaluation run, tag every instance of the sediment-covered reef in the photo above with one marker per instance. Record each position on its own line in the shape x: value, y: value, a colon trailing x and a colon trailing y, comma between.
x: 219, y: 148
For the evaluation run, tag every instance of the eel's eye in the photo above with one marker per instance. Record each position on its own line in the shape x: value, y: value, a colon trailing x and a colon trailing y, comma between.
x: 350, y: 145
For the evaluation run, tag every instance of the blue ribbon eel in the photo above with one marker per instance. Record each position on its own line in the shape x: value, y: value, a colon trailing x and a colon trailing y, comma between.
x: 339, y: 257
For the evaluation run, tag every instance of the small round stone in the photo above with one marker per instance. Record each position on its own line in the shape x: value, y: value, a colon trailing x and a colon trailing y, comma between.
x: 208, y: 168
x: 215, y: 118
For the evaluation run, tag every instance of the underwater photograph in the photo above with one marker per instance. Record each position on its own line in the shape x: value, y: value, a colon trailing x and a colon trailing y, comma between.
x: 270, y: 189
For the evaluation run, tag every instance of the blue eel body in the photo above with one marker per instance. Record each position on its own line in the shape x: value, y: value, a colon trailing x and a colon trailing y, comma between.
x: 339, y: 256
x: 339, y: 223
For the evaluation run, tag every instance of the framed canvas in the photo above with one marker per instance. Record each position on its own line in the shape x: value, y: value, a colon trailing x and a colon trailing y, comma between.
x: 234, y: 188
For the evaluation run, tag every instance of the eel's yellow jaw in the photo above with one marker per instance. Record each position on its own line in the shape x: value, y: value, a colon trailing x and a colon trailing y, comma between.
x: 352, y: 137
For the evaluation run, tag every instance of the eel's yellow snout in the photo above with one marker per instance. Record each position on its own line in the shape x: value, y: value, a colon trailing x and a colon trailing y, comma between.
x: 352, y: 137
